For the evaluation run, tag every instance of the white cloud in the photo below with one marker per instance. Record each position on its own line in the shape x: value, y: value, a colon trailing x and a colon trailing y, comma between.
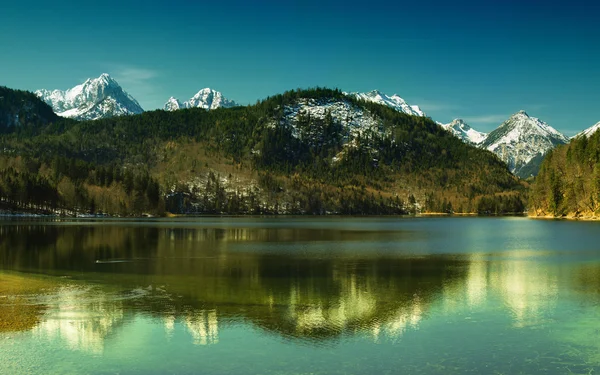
x: 140, y: 82
x: 134, y: 76
x: 486, y: 119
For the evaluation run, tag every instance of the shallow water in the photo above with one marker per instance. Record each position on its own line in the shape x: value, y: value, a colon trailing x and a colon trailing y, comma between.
x: 300, y: 296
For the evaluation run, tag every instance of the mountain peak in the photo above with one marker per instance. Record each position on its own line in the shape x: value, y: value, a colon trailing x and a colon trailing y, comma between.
x: 100, y: 97
x: 589, y: 131
x: 172, y: 104
x: 522, y: 139
x: 459, y: 121
x: 105, y: 77
x: 205, y: 90
x: 463, y: 131
x: 394, y: 101
x: 206, y: 98
x: 375, y: 93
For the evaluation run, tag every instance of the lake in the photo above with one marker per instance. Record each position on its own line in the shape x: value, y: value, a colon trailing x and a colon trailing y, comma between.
x: 300, y: 296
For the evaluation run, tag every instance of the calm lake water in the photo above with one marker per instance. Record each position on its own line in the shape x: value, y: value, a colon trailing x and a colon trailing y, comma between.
x: 300, y: 296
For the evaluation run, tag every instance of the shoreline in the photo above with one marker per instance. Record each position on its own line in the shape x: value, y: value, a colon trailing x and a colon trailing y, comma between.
x: 24, y: 215
x: 567, y: 217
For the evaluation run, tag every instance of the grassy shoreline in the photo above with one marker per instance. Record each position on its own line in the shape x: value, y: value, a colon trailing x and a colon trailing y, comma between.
x: 566, y: 217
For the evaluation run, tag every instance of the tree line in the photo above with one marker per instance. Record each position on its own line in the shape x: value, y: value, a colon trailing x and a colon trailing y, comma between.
x: 569, y: 180
x: 114, y: 165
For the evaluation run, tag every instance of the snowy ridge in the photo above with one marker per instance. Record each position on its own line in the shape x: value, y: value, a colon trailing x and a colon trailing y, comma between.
x: 522, y: 138
x: 173, y: 104
x: 463, y: 131
x: 393, y: 101
x: 206, y: 98
x: 589, y: 131
x: 101, y: 97
x: 353, y: 119
x: 355, y: 122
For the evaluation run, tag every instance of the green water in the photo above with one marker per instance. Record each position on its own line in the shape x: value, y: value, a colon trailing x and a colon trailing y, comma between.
x: 300, y: 296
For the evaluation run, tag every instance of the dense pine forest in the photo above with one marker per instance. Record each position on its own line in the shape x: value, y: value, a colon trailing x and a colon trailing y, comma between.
x: 243, y: 160
x: 23, y: 111
x: 569, y: 180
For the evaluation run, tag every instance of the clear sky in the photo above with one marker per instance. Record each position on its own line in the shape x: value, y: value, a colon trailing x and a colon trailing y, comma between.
x: 478, y: 60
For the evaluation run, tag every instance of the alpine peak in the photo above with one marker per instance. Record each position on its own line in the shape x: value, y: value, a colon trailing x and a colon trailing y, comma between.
x: 206, y: 98
x: 521, y: 141
x: 459, y: 128
x: 589, y: 131
x: 106, y: 78
x: 394, y: 101
x: 96, y: 98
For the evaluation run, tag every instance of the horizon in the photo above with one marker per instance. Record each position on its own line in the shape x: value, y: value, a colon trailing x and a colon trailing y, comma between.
x: 478, y: 62
x: 332, y: 88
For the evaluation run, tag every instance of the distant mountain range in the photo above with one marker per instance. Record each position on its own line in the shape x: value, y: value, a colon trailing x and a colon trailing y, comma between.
x: 520, y: 141
x: 206, y: 98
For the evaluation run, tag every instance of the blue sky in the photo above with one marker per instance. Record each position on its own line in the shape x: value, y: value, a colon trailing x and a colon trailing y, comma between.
x: 480, y: 61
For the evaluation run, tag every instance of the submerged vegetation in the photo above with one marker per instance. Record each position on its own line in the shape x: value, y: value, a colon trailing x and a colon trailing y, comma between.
x: 18, y: 309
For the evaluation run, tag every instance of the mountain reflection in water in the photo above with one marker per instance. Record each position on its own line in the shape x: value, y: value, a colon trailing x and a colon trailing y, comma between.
x: 306, y: 284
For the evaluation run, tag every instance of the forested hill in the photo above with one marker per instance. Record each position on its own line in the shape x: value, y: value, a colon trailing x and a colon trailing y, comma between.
x: 569, y: 180
x: 305, y: 151
x: 22, y: 109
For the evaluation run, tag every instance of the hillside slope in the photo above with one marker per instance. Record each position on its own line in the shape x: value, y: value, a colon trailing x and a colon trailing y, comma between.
x: 308, y: 151
x: 22, y: 109
x: 569, y: 180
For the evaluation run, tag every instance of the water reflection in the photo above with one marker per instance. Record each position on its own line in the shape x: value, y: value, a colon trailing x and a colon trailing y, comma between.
x: 81, y: 317
x: 527, y: 288
x: 203, y: 326
x: 304, y: 284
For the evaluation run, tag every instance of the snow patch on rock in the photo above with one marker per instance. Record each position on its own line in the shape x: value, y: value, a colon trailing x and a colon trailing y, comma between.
x: 394, y: 101
x: 463, y: 131
x: 206, y: 98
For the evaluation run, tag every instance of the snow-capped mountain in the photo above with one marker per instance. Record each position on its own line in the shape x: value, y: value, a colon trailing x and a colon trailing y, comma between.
x: 101, y: 97
x: 173, y: 104
x: 206, y: 98
x: 393, y: 101
x: 589, y: 131
x: 522, y: 140
x: 463, y: 131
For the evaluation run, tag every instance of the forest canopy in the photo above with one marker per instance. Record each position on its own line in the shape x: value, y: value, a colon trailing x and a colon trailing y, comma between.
x: 250, y: 160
